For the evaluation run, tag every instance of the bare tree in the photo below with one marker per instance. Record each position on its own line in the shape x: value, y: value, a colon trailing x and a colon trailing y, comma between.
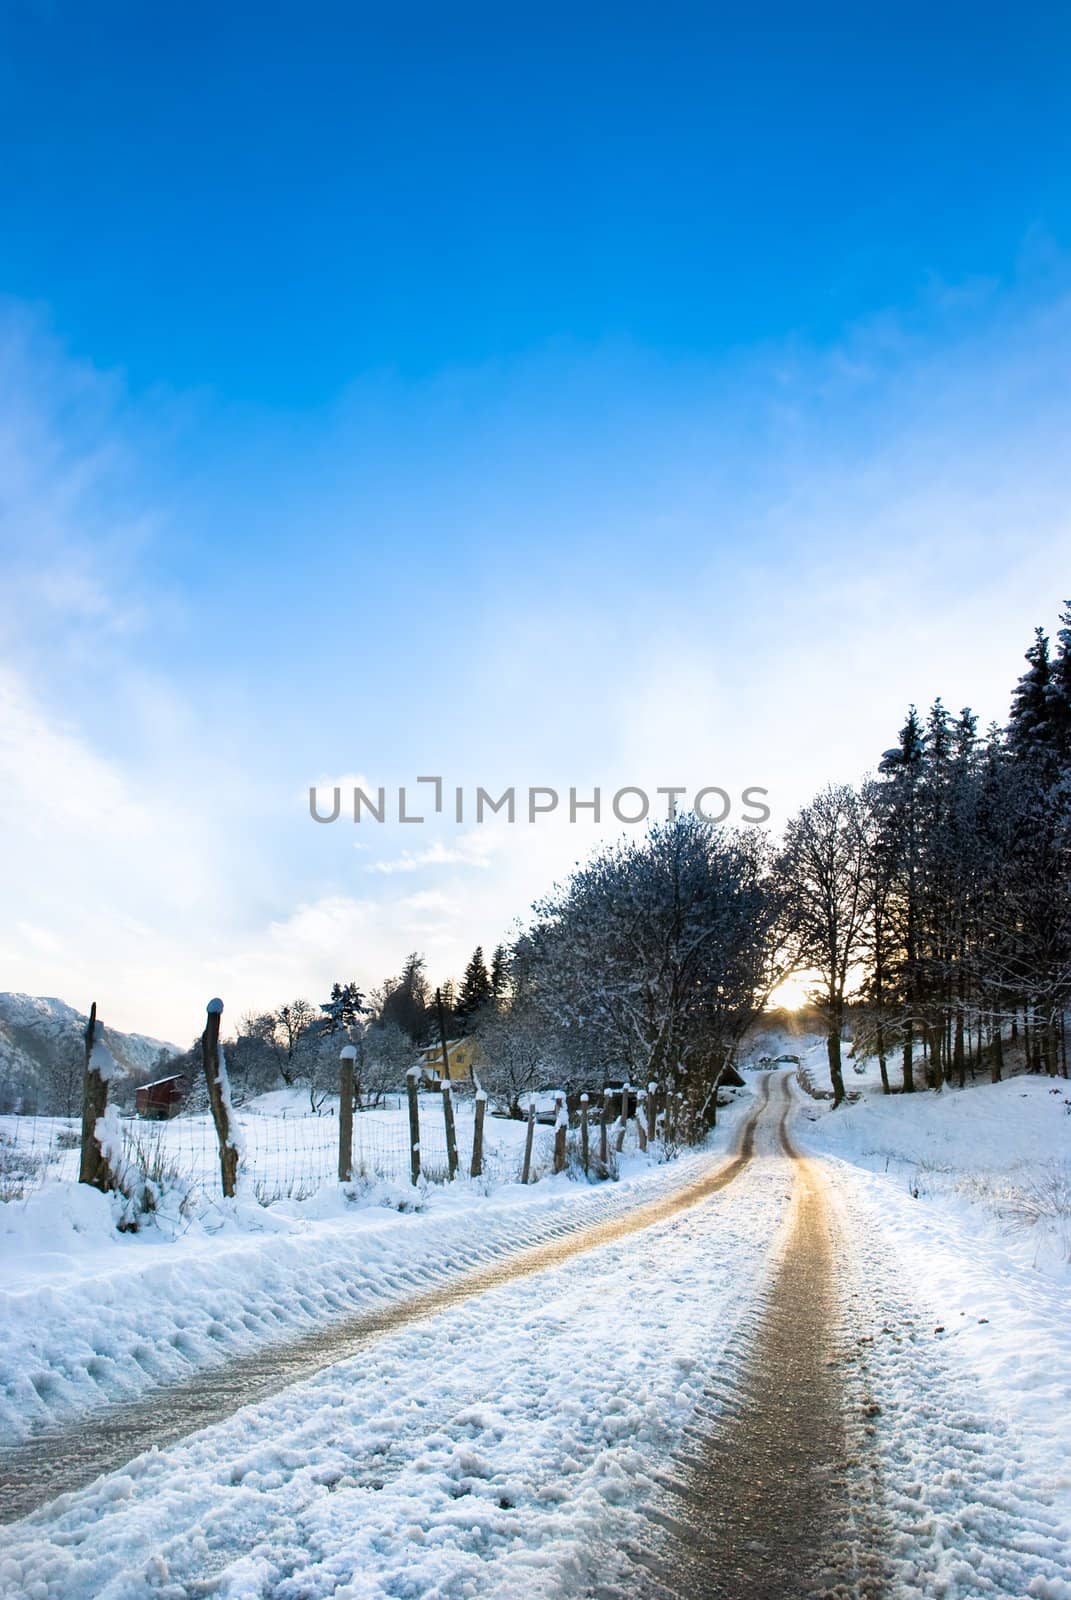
x: 825, y: 861
x: 514, y: 1044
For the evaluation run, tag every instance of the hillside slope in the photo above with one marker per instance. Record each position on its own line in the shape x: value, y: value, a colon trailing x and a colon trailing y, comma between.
x: 41, y: 1054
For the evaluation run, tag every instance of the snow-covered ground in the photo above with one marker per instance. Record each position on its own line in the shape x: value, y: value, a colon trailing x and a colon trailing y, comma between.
x: 289, y: 1150
x: 90, y: 1314
x: 510, y: 1445
x: 997, y: 1157
x: 959, y: 1223
x: 488, y: 1453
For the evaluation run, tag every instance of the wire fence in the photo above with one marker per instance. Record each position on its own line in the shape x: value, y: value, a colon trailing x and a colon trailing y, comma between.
x: 287, y: 1153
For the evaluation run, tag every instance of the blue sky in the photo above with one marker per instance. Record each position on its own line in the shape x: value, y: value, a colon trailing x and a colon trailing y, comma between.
x: 644, y: 395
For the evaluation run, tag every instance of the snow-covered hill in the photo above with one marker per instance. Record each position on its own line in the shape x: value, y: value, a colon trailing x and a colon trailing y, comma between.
x: 42, y: 1053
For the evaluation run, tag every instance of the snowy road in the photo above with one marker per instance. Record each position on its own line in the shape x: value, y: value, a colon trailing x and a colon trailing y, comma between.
x: 58, y: 1462
x: 728, y: 1392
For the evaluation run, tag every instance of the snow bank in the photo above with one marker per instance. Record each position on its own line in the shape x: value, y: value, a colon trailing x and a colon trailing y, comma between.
x: 89, y: 1315
x: 990, y: 1155
x: 931, y: 1184
x: 504, y: 1449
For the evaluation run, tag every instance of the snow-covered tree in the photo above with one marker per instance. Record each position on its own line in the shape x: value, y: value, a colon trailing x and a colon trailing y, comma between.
x: 476, y: 991
x: 658, y: 953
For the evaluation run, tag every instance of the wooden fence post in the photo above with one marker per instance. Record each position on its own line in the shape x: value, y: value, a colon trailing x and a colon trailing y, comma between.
x: 585, y: 1152
x: 604, y: 1129
x: 561, y: 1132
x: 652, y: 1112
x: 626, y: 1106
x: 414, y: 1124
x: 526, y: 1170
x: 94, y: 1166
x: 451, y: 1131
x: 641, y: 1120
x: 219, y: 1098
x: 347, y: 1056
x: 476, y: 1169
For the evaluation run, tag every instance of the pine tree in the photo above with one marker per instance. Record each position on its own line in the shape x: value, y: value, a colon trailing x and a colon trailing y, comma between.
x: 476, y: 991
x: 1058, y: 694
x: 902, y: 768
x: 344, y: 1008
x: 500, y: 979
x: 405, y: 1004
x: 1028, y: 725
x: 448, y: 999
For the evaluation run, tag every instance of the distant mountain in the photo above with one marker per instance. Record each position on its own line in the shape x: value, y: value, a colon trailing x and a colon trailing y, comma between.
x: 42, y: 1053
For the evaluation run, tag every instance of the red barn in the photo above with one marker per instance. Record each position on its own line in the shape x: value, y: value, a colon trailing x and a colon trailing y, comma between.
x: 162, y: 1098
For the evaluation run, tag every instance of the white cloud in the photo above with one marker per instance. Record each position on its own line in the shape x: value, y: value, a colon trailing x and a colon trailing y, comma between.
x: 468, y: 850
x: 747, y: 586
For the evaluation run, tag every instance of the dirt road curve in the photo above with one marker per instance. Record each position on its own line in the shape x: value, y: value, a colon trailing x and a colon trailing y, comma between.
x: 33, y: 1474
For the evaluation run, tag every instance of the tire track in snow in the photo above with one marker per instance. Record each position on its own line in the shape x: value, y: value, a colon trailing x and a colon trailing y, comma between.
x: 969, y: 1514
x: 33, y: 1474
x: 901, y: 1482
x: 481, y: 1453
x: 766, y: 1502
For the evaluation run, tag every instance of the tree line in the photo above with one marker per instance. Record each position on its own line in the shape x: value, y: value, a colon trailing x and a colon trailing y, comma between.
x: 929, y: 905
x: 935, y: 897
x: 298, y: 1043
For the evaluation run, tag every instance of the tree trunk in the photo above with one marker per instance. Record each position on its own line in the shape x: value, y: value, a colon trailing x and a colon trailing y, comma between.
x: 959, y: 1059
x: 1051, y: 1048
x: 836, y: 1076
x: 883, y: 1066
x: 909, y: 1059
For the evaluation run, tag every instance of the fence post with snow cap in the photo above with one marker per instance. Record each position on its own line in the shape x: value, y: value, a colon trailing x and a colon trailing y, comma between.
x: 604, y: 1129
x: 561, y: 1132
x: 585, y: 1151
x: 622, y: 1124
x: 414, y: 1124
x: 219, y: 1099
x: 652, y: 1111
x: 347, y: 1056
x: 526, y: 1170
x: 641, y: 1122
x: 451, y: 1130
x: 95, y: 1167
x: 476, y: 1169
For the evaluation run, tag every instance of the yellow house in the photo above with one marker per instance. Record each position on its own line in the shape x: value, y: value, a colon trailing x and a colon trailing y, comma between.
x: 464, y: 1056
